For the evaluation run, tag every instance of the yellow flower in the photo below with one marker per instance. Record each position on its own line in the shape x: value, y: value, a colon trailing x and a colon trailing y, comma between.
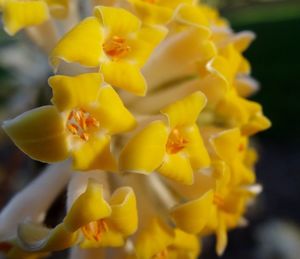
x: 175, y: 150
x: 240, y: 112
x: 85, y: 115
x: 157, y: 12
x: 91, y: 222
x: 158, y: 240
x: 217, y: 211
x: 231, y: 147
x: 18, y: 14
x: 115, y: 41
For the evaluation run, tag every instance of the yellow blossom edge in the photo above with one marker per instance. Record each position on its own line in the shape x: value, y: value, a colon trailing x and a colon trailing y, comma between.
x: 192, y: 216
x: 39, y: 133
x: 20, y: 14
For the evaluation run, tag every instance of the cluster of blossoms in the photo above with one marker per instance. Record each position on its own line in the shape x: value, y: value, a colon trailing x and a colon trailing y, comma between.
x: 148, y: 130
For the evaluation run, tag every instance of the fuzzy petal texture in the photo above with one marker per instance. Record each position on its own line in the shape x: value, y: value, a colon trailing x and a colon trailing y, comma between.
x: 39, y: 133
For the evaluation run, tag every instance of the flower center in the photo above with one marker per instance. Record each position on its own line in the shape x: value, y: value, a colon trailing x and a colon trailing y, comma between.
x: 116, y: 47
x: 219, y: 200
x: 151, y: 1
x: 176, y: 142
x: 95, y: 230
x: 79, y: 122
x: 161, y: 255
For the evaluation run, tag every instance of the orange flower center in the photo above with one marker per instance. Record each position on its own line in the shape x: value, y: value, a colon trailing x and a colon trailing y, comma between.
x: 95, y: 230
x: 161, y: 255
x: 219, y: 200
x: 176, y: 142
x: 116, y: 47
x: 79, y: 122
x: 151, y: 1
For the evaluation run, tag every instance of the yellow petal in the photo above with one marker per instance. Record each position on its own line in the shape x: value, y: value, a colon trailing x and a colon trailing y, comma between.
x: 20, y: 14
x: 94, y: 154
x: 89, y: 206
x: 243, y: 39
x: 220, y: 68
x: 125, y: 76
x: 221, y: 236
x: 145, y: 151
x: 35, y: 237
x: 192, y: 14
x: 73, y: 92
x: 83, y: 45
x: 185, y: 111
x: 123, y: 217
x: 195, y: 147
x: 187, y: 243
x: 39, y: 133
x: 179, y: 55
x: 143, y: 44
x: 226, y: 144
x: 151, y: 13
x: 111, y: 112
x: 156, y: 237
x: 192, y: 216
x: 177, y: 167
x: 117, y: 21
x: 108, y: 239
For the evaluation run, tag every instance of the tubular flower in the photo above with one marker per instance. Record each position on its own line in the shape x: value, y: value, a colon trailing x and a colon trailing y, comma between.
x: 158, y: 240
x: 175, y: 150
x: 221, y: 208
x: 91, y: 222
x: 81, y: 122
x: 18, y: 14
x: 184, y: 114
x: 117, y: 43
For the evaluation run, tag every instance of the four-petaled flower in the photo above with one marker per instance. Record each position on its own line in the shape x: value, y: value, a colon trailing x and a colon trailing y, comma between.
x: 175, y: 150
x: 85, y: 114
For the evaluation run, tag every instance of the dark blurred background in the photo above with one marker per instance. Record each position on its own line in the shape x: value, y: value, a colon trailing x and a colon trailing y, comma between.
x: 273, y: 232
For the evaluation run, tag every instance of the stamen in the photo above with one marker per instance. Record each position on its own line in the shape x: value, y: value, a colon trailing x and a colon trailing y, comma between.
x: 241, y: 147
x: 176, y: 142
x: 162, y: 254
x: 95, y: 230
x: 79, y: 122
x: 219, y: 200
x: 116, y: 47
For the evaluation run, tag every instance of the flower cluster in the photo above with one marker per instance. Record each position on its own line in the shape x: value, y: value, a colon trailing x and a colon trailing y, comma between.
x: 149, y: 129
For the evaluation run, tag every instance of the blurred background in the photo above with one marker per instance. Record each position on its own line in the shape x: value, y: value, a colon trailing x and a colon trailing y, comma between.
x: 274, y: 229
